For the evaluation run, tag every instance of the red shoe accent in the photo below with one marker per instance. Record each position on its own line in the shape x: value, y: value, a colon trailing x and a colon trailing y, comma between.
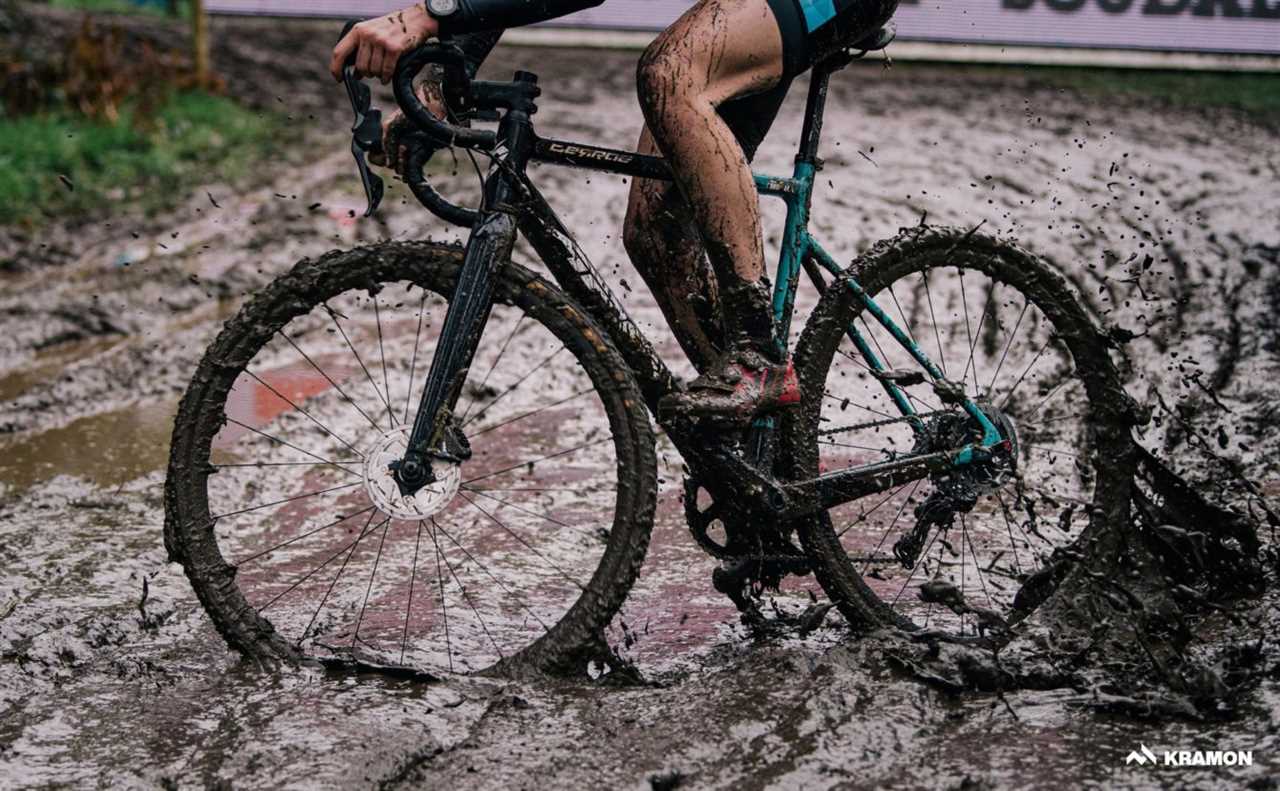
x: 790, y: 395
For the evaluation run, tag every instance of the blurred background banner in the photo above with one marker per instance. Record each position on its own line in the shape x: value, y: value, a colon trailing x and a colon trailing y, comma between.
x: 1222, y: 26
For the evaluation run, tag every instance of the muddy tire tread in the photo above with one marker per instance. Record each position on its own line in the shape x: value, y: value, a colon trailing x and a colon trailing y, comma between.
x: 188, y: 532
x: 911, y: 250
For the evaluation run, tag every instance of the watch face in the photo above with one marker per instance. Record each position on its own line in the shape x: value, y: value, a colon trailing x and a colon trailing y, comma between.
x: 442, y: 7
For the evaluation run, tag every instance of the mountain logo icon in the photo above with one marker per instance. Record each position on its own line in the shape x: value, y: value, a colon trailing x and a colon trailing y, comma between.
x: 1142, y: 756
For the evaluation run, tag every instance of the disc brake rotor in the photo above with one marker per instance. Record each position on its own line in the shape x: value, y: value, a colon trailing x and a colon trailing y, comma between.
x: 384, y: 491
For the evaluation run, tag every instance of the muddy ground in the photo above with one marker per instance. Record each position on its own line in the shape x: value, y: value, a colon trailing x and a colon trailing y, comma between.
x: 110, y: 673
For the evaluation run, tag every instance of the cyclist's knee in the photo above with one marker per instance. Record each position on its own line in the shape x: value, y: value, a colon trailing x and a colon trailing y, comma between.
x: 663, y: 75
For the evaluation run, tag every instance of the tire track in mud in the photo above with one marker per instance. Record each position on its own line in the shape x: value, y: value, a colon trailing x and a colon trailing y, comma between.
x: 1096, y: 187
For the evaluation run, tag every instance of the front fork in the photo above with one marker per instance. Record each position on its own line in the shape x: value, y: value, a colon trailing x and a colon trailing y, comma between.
x: 435, y: 433
x: 488, y: 249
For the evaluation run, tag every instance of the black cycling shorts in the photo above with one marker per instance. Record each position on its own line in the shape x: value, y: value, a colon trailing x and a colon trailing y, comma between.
x: 811, y: 29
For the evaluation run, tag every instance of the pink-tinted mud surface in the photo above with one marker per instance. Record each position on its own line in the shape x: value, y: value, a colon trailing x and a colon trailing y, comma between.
x: 111, y: 674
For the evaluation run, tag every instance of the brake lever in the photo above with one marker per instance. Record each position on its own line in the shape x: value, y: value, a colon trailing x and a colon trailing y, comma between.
x: 366, y: 130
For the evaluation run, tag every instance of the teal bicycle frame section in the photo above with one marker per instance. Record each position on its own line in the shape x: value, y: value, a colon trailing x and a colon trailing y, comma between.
x: 797, y: 245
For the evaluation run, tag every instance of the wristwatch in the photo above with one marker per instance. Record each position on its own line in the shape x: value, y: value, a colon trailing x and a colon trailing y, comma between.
x: 440, y: 9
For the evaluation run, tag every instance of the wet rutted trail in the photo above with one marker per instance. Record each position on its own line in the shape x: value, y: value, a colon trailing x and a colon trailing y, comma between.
x: 110, y: 672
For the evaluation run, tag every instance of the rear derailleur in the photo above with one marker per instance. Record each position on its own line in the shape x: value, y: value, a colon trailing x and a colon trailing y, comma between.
x: 957, y: 491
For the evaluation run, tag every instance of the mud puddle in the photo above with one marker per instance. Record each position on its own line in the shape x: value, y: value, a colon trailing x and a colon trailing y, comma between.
x: 103, y: 684
x: 105, y: 449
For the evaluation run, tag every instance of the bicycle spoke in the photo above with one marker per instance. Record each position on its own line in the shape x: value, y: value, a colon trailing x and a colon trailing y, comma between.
x: 539, y: 410
x: 332, y: 584
x: 413, y: 576
x: 942, y: 357
x: 574, y: 449
x: 977, y: 567
x: 1030, y: 365
x: 889, y: 530
x: 991, y: 388
x: 463, y: 590
x: 915, y: 569
x: 307, y: 414
x: 321, y: 459
x: 518, y: 382
x: 902, y: 314
x: 386, y: 526
x: 523, y: 510
x: 413, y: 362
x: 382, y: 353
x: 526, y: 544
x: 496, y: 360
x: 973, y: 345
x: 329, y: 379
x: 865, y: 514
x: 855, y: 447
x: 287, y: 500
x: 860, y: 363
x: 968, y: 325
x: 334, y: 317
x: 257, y: 464
x: 1052, y: 393
x: 851, y: 402
x: 485, y: 569
x: 444, y: 611
x: 1026, y: 539
x: 1004, y: 511
x: 317, y: 570
x: 296, y: 539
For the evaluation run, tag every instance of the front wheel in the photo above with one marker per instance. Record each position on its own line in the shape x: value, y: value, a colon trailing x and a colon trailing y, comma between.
x: 973, y: 550
x: 280, y: 506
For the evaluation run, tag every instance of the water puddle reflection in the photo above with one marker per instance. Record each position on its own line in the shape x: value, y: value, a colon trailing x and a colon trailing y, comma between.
x: 108, y: 449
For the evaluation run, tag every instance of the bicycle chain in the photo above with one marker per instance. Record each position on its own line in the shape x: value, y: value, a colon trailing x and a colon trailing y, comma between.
x: 885, y: 422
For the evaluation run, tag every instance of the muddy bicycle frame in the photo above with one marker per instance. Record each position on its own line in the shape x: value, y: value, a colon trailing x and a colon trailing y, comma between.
x: 511, y: 204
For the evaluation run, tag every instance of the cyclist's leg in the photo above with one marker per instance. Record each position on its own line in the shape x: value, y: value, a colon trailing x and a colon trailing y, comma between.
x: 666, y: 247
x: 719, y: 50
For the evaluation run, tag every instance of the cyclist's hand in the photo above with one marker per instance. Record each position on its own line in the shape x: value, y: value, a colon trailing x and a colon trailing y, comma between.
x: 378, y: 43
x: 395, y: 153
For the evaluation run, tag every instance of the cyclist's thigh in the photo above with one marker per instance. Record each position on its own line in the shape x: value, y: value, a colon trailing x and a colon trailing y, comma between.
x: 749, y: 118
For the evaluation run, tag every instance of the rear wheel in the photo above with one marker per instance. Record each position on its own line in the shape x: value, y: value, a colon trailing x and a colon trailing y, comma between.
x: 281, y: 509
x: 952, y: 551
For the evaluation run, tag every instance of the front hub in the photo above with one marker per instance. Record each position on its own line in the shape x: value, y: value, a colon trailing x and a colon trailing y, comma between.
x: 385, y: 490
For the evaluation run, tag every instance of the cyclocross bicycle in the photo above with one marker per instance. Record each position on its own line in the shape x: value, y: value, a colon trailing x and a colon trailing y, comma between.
x: 428, y: 456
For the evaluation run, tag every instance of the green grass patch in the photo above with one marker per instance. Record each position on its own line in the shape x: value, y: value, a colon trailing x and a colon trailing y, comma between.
x: 1254, y: 93
x: 122, y: 7
x: 194, y: 138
